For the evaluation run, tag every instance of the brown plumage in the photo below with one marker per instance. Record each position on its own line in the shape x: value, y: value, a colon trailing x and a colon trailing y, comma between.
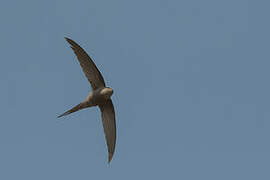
x: 100, y: 96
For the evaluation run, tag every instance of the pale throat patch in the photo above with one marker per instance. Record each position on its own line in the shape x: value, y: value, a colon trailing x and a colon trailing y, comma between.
x: 107, y: 92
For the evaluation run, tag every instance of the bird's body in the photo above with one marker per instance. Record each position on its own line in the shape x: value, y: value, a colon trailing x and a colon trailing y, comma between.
x: 95, y: 98
x: 100, y: 96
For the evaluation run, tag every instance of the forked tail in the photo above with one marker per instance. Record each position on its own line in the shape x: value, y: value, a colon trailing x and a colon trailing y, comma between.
x: 72, y: 110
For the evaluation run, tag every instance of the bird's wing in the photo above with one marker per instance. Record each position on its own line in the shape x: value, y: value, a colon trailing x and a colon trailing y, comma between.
x: 109, y: 125
x: 88, y: 66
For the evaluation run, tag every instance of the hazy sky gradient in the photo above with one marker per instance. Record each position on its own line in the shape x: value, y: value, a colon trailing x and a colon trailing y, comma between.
x: 191, y: 89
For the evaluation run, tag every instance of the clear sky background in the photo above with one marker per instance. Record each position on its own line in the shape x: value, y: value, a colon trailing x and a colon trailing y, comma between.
x: 191, y: 89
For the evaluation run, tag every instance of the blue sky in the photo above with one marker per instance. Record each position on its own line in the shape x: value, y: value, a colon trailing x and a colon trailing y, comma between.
x: 191, y: 83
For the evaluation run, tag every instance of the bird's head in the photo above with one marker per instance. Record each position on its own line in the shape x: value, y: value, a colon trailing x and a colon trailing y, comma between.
x: 107, y: 92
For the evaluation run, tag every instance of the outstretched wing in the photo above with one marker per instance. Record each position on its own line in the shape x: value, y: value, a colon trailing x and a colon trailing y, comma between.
x: 109, y: 125
x: 88, y: 66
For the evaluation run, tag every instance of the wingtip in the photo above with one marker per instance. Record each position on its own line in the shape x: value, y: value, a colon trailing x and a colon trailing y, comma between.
x: 60, y: 115
x: 71, y: 42
x: 68, y: 39
x: 64, y: 114
x: 110, y: 158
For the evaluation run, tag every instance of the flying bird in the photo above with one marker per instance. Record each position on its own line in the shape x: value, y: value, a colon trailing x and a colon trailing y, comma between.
x: 99, y: 96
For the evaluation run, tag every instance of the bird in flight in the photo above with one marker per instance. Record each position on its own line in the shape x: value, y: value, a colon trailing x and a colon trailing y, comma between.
x: 100, y: 96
